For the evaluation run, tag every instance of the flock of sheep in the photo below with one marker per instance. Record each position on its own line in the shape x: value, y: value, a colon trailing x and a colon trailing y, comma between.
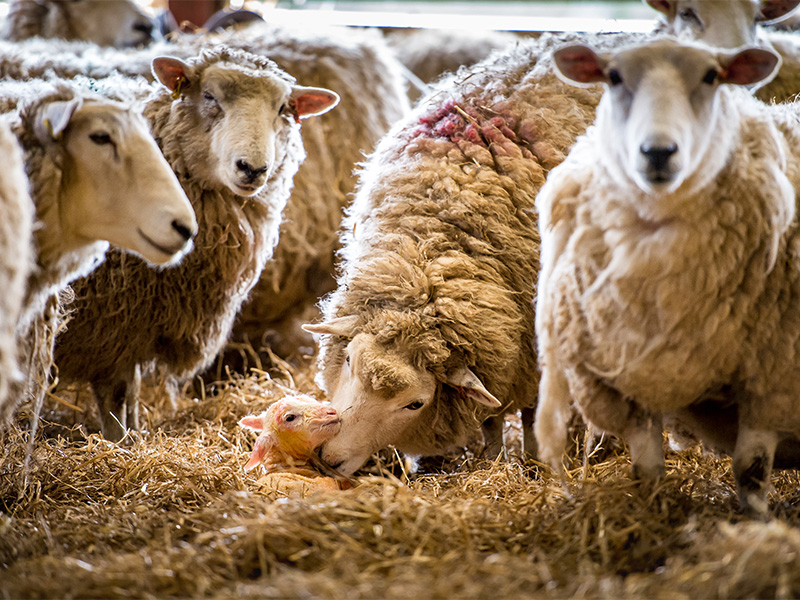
x: 634, y: 243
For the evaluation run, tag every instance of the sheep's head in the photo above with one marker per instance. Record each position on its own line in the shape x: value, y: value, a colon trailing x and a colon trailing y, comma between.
x: 721, y: 23
x: 384, y: 393
x: 660, y: 118
x: 289, y: 432
x: 242, y: 111
x: 119, y: 23
x: 116, y: 185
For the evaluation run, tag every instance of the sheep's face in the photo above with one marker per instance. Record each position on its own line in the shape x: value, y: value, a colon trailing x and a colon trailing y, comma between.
x: 117, y: 186
x: 118, y: 23
x: 722, y: 23
x: 242, y: 112
x: 383, y: 397
x: 659, y: 120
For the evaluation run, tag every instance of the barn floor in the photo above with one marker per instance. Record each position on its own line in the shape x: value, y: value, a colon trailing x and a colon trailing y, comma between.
x: 172, y: 514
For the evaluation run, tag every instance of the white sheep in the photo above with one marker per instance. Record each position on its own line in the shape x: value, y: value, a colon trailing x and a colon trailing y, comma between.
x: 228, y: 124
x: 96, y: 178
x: 16, y: 217
x: 669, y: 269
x: 104, y: 22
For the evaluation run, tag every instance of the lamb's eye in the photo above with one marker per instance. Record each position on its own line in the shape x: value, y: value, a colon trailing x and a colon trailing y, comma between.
x: 208, y: 96
x: 711, y: 76
x: 289, y: 418
x: 416, y: 405
x: 687, y: 14
x: 100, y: 138
x: 614, y: 77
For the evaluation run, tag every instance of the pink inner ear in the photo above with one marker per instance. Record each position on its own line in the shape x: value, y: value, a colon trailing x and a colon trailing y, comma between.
x: 252, y: 422
x: 662, y: 6
x: 311, y: 103
x: 259, y: 451
x: 579, y: 64
x: 169, y: 73
x: 748, y: 67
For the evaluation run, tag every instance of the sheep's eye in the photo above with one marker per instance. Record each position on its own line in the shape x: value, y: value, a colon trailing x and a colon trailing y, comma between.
x: 281, y: 109
x: 347, y: 360
x: 100, y: 138
x: 687, y: 14
x: 614, y: 77
x: 289, y: 418
x: 208, y: 96
x: 416, y: 405
x: 710, y: 77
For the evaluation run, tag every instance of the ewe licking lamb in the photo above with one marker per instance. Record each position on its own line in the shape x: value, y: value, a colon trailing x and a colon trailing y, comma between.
x: 118, y: 23
x: 96, y: 177
x: 228, y: 124
x: 669, y: 271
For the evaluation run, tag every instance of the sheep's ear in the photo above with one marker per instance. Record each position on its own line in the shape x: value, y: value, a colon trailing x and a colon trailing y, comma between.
x: 252, y: 422
x: 307, y: 102
x: 342, y: 326
x: 579, y: 65
x: 666, y: 7
x: 749, y: 66
x: 467, y: 382
x: 173, y: 73
x: 56, y: 116
x: 772, y: 11
x: 264, y: 445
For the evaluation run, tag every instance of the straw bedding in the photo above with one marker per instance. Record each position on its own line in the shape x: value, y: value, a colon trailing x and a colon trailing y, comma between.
x: 171, y: 513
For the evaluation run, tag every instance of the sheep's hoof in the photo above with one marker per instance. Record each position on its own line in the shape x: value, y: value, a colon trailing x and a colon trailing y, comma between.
x: 648, y: 473
x: 754, y: 505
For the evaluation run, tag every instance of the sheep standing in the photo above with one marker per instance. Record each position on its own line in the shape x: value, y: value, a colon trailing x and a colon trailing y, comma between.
x: 96, y: 177
x: 104, y: 22
x: 16, y: 218
x: 668, y: 269
x: 228, y: 124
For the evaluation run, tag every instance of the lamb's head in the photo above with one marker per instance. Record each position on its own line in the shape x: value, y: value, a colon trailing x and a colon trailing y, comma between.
x: 119, y: 23
x: 237, y: 105
x: 289, y: 432
x: 720, y: 23
x: 660, y: 119
x: 386, y: 393
x: 115, y: 184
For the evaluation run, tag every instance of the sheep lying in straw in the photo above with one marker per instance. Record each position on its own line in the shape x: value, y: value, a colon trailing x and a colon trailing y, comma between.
x: 96, y: 177
x: 16, y: 217
x: 289, y: 431
x: 228, y: 124
x: 668, y: 265
x: 104, y: 22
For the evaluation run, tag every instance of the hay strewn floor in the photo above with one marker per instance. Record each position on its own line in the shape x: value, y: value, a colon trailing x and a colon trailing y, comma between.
x: 173, y: 514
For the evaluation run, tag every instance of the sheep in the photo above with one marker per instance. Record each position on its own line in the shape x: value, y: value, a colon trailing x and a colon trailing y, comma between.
x: 228, y: 123
x: 733, y: 23
x: 668, y: 261
x: 96, y: 177
x: 118, y: 23
x: 16, y: 210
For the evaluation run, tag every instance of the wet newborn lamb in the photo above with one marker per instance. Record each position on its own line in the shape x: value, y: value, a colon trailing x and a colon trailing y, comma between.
x: 289, y: 432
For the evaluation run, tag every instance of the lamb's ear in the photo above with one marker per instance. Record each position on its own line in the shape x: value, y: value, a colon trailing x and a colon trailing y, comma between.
x: 173, y: 73
x: 772, y: 11
x: 252, y: 422
x: 342, y: 326
x: 55, y: 117
x: 466, y: 381
x: 580, y: 65
x: 307, y: 102
x: 264, y: 444
x: 666, y: 7
x: 749, y: 66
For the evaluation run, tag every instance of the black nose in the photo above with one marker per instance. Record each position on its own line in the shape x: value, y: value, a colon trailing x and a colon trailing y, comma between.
x: 146, y: 27
x: 250, y: 172
x: 182, y: 230
x: 659, y: 155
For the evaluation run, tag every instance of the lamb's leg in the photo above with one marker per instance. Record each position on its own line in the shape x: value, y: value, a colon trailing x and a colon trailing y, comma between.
x: 752, y: 466
x: 132, y: 394
x: 493, y: 437
x: 529, y: 450
x: 644, y: 435
x: 111, y: 403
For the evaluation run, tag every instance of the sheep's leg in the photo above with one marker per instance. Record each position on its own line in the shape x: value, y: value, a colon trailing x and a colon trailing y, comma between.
x: 493, y: 437
x: 644, y: 435
x: 552, y: 414
x: 752, y: 466
x: 132, y: 393
x: 111, y: 401
x: 529, y: 450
